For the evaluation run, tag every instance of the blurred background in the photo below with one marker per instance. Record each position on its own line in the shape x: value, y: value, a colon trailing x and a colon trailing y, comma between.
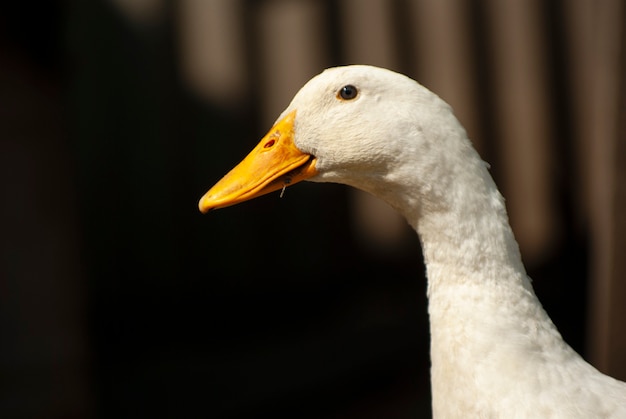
x: 119, y: 299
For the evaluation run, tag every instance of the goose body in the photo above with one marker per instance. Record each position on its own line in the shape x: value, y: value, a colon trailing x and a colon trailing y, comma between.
x: 495, y: 352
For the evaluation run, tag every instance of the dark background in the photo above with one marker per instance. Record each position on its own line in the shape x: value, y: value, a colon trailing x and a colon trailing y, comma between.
x: 119, y: 299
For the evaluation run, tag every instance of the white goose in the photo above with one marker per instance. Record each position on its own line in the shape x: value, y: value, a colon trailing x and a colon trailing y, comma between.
x: 495, y: 352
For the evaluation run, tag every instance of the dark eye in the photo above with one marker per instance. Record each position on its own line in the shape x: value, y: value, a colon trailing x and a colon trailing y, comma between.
x: 348, y: 92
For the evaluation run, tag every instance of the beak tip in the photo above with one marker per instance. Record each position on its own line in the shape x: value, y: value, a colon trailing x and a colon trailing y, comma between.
x: 203, y: 207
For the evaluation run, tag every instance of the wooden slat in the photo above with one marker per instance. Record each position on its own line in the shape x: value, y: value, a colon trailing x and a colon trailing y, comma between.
x: 523, y: 123
x: 445, y: 58
x: 292, y: 47
x: 368, y: 33
x: 143, y: 12
x: 212, y: 49
x: 579, y: 25
x: 607, y: 331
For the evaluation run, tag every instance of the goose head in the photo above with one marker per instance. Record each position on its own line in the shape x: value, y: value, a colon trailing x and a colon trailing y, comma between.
x: 363, y: 126
x: 384, y: 133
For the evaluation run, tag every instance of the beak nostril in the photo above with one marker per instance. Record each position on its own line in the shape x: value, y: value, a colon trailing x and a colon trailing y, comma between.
x: 269, y: 144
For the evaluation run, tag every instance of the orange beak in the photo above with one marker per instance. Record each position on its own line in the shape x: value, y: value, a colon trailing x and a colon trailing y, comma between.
x: 273, y: 164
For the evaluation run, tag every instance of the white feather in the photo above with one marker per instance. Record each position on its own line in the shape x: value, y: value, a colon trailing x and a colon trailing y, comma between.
x: 495, y: 352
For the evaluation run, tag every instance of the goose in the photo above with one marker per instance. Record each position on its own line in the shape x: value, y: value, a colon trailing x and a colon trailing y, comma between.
x: 494, y: 351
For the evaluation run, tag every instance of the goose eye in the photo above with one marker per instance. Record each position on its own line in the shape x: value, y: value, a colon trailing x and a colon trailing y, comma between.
x: 347, y: 92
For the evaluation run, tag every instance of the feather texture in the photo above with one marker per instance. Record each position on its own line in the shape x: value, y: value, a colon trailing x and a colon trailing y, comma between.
x: 495, y: 352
